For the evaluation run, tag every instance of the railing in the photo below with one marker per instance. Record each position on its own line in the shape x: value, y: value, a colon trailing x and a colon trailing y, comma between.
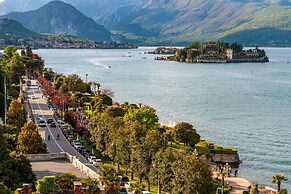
x: 72, y: 159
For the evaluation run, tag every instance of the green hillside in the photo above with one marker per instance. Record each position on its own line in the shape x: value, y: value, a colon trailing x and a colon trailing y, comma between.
x: 57, y: 17
x: 12, y: 28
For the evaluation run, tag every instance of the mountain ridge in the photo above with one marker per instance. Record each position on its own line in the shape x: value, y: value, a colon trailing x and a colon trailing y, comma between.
x: 170, y: 21
x: 58, y: 17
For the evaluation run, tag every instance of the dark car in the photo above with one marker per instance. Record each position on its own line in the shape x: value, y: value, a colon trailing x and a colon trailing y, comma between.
x: 50, y: 120
x: 123, y: 190
x: 52, y: 124
x: 123, y: 179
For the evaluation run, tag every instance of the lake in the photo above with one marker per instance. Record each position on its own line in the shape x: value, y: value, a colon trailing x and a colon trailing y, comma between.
x: 245, y: 105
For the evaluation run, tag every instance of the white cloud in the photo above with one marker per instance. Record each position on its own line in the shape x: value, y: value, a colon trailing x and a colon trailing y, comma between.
x: 1, y: 1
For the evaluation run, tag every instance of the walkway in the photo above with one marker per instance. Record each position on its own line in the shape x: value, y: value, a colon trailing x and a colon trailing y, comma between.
x: 54, y: 167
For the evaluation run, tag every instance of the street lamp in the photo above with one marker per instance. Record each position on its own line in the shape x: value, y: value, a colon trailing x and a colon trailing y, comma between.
x: 159, y: 189
x: 5, y: 101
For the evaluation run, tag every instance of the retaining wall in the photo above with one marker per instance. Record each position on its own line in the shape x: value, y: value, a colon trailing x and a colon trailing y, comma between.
x: 72, y: 159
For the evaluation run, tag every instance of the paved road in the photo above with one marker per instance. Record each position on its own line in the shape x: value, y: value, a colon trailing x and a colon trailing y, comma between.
x: 39, y: 106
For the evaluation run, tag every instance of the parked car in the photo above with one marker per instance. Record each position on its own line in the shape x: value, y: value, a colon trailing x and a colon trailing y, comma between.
x: 33, y: 97
x: 52, y: 124
x: 123, y: 190
x: 53, y: 108
x: 88, y: 154
x: 123, y: 179
x: 91, y: 158
x: 128, y: 184
x: 41, y: 123
x: 97, y: 162
x: 60, y: 122
x: 146, y: 192
x: 77, y: 145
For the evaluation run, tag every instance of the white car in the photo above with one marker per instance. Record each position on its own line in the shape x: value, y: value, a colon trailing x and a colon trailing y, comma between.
x: 33, y: 97
x: 41, y: 123
x: 77, y: 145
x: 97, y: 162
x: 128, y: 184
x: 40, y: 117
x: 91, y: 158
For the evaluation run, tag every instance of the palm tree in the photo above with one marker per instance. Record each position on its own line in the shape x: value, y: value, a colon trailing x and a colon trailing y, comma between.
x: 255, y: 189
x: 222, y: 174
x: 277, y: 179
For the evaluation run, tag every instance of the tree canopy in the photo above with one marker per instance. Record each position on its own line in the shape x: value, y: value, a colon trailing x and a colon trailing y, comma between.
x: 145, y: 115
x: 185, y: 133
x: 29, y: 140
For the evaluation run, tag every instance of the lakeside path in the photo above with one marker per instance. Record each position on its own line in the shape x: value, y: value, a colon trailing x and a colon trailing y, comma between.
x: 238, y: 184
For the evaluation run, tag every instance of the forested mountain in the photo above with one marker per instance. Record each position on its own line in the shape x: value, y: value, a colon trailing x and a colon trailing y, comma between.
x: 174, y: 22
x: 9, y: 27
x: 57, y: 17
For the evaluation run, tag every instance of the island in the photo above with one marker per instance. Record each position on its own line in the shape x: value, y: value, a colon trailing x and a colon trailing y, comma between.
x: 216, y: 52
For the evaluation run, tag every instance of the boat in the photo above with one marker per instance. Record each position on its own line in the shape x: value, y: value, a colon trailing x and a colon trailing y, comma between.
x: 108, y: 66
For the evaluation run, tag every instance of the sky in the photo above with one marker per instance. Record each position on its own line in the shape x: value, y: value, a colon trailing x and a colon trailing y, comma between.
x: 1, y: 1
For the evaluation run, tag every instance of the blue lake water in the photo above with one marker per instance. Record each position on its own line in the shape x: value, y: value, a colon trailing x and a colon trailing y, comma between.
x: 247, y: 106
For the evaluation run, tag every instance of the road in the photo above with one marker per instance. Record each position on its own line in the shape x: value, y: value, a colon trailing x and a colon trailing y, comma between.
x: 39, y: 106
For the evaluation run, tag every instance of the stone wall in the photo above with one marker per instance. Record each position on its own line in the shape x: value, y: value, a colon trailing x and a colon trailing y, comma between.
x: 46, y: 157
x: 223, y: 158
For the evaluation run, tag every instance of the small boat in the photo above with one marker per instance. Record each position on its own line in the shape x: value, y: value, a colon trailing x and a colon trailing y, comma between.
x: 144, y: 58
x: 108, y: 66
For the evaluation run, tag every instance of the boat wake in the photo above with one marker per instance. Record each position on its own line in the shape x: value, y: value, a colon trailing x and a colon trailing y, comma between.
x: 98, y: 64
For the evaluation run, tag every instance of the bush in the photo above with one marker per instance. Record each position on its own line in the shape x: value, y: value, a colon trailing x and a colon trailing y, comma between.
x: 225, y: 190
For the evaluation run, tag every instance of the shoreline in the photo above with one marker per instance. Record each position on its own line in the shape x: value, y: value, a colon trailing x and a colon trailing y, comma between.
x: 240, y: 184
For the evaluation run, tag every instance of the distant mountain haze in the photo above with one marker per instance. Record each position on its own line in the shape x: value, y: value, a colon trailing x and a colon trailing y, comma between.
x: 181, y: 21
x: 58, y: 17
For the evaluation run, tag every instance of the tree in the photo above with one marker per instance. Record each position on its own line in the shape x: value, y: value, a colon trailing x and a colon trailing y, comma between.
x: 16, y: 68
x: 146, y: 115
x: 109, y: 179
x: 236, y: 47
x: 29, y: 140
x: 75, y: 83
x: 91, y: 186
x: 191, y: 175
x: 4, y: 189
x: 162, y: 168
x: 8, y: 52
x: 195, y: 44
x: 47, y: 184
x: 102, y: 125
x: 185, y: 133
x: 14, y: 169
x: 66, y: 181
x: 23, y: 168
x: 283, y: 191
x: 277, y: 179
x: 255, y: 189
x: 115, y: 111
x: 10, y: 134
x: 169, y: 134
x: 15, y: 114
